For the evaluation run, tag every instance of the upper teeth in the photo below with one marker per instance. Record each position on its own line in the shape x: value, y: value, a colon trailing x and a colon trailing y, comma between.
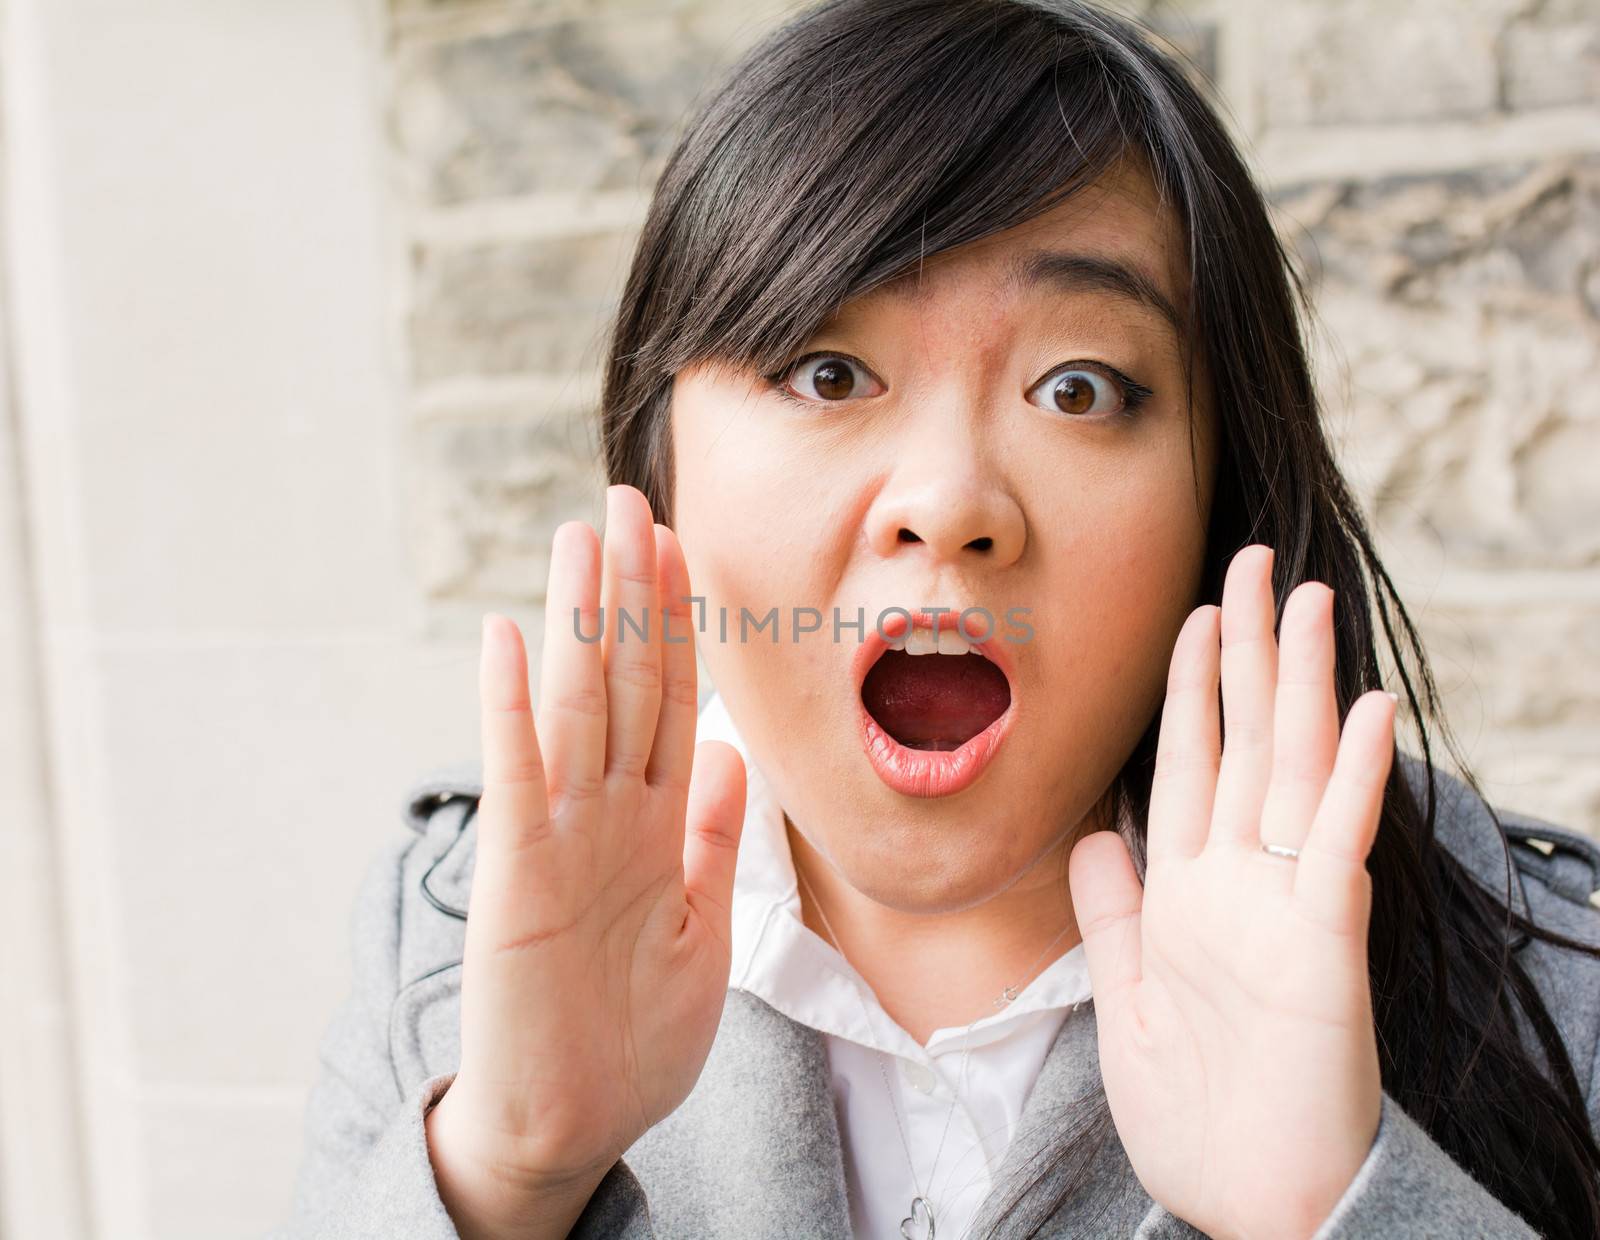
x: 924, y: 641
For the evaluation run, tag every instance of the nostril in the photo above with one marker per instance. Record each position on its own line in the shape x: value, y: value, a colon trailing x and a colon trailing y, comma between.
x: 906, y: 536
x: 981, y: 544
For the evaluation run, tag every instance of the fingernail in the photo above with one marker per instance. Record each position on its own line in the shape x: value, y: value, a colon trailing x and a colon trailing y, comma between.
x: 1393, y: 697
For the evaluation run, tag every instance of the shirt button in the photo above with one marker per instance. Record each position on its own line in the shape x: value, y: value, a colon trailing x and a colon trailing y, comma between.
x: 919, y: 1075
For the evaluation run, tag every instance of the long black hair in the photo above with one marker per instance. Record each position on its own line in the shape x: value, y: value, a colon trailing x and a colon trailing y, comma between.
x: 862, y: 136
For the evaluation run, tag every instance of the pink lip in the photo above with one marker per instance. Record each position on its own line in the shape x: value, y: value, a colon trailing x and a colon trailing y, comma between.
x: 924, y: 772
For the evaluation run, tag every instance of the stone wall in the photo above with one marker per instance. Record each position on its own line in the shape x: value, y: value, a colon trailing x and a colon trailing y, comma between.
x: 1435, y: 165
x: 526, y: 139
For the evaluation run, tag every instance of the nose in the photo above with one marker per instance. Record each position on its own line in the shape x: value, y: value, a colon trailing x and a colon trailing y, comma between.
x: 954, y: 508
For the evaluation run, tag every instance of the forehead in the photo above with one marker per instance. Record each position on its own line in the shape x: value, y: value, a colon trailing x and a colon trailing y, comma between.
x: 1113, y: 238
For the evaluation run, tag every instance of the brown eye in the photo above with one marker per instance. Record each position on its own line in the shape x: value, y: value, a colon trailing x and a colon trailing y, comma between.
x: 833, y: 379
x: 828, y: 378
x: 1074, y: 394
x: 1087, y: 391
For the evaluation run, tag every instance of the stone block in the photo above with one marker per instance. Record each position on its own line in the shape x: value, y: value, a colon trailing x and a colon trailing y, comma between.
x: 567, y: 105
x: 1550, y: 64
x: 1520, y: 667
x: 1559, y: 782
x: 518, y: 307
x: 1458, y: 359
x: 491, y: 492
x: 1373, y: 63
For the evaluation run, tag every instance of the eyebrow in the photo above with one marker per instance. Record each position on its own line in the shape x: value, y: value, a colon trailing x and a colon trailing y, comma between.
x: 1071, y: 272
x: 1076, y: 273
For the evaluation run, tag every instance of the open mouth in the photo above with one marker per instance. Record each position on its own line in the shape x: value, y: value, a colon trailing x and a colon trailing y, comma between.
x: 935, y: 708
x: 934, y: 700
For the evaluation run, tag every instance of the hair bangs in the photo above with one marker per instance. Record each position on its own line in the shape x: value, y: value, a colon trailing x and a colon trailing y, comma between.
x: 965, y: 119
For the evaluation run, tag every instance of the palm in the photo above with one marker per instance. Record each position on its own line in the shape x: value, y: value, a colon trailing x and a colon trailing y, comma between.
x: 598, y: 930
x: 1235, y: 1025
x: 625, y: 1024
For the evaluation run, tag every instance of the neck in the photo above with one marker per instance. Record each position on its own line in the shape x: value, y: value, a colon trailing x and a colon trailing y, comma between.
x: 935, y: 970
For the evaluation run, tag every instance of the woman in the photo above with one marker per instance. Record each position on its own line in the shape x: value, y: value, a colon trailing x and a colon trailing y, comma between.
x: 959, y: 370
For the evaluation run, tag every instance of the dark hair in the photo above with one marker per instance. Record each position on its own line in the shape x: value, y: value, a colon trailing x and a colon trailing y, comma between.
x: 866, y: 134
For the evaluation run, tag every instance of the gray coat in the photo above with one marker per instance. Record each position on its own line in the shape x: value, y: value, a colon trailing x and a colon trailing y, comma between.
x: 754, y: 1150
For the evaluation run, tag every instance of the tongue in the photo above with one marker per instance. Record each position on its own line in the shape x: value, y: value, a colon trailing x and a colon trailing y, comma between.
x: 934, y: 701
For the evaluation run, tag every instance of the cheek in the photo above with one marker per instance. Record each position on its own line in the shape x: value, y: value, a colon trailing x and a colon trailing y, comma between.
x: 764, y: 504
x: 734, y: 469
x: 1127, y: 562
x: 746, y: 535
x: 754, y: 530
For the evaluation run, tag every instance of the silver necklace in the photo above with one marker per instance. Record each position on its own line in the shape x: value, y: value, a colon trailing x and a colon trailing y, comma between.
x: 921, y: 1210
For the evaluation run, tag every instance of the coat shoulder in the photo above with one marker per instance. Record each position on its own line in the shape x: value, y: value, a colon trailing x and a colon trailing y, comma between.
x: 1564, y: 862
x: 1545, y: 867
x: 1560, y: 873
x: 426, y: 795
x: 441, y: 807
x: 1552, y: 875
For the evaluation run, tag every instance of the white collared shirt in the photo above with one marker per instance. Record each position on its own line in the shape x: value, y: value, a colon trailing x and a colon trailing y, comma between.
x: 781, y: 960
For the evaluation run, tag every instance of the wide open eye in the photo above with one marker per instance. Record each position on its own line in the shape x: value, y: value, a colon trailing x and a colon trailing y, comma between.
x: 826, y: 378
x: 1088, y: 390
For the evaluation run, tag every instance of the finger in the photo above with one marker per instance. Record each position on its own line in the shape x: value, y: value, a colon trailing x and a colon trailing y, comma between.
x: 1249, y: 676
x: 1106, y: 899
x: 1305, y: 716
x: 572, y: 690
x: 1331, y: 878
x: 712, y: 828
x: 673, y: 753
x: 1185, y: 780
x: 514, y: 802
x: 632, y: 639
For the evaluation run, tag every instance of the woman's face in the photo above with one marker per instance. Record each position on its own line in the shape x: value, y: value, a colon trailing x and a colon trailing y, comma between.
x: 959, y: 442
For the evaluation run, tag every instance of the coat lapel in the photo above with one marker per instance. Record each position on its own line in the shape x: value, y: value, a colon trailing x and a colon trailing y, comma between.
x: 1102, y: 1195
x: 1065, y: 1092
x: 755, y: 1150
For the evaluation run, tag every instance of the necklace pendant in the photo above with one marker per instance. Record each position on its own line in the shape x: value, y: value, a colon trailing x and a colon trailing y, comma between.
x: 1006, y: 996
x: 923, y: 1225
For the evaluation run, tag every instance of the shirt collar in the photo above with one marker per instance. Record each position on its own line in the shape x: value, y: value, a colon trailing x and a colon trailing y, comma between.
x: 781, y: 960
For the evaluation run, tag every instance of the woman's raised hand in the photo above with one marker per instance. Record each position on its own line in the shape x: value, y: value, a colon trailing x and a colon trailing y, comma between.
x: 1234, y: 1013
x: 598, y: 929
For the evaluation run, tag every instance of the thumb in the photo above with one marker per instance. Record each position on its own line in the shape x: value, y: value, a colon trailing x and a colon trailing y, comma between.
x: 713, y: 823
x: 1106, y: 899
